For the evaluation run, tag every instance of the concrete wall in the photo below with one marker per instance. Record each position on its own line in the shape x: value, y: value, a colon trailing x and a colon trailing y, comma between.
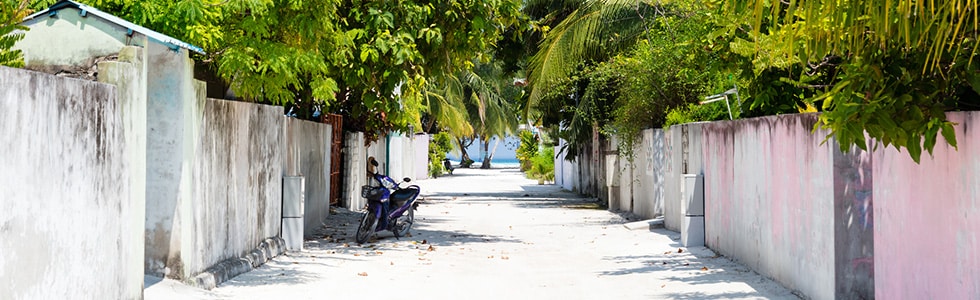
x: 72, y: 40
x: 926, y: 219
x: 421, y: 159
x: 236, y: 197
x: 408, y: 156
x: 854, y: 249
x: 673, y: 176
x: 769, y: 199
x: 173, y: 121
x: 68, y: 193
x: 355, y: 171
x: 648, y: 175
x: 565, y: 170
x: 307, y: 150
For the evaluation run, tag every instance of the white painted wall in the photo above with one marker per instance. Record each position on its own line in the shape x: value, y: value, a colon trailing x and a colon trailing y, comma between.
x: 68, y: 193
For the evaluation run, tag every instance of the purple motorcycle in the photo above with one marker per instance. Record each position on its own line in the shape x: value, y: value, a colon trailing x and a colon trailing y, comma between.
x: 390, y: 207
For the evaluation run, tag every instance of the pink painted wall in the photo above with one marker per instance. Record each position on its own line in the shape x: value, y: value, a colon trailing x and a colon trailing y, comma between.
x: 769, y: 199
x: 927, y: 219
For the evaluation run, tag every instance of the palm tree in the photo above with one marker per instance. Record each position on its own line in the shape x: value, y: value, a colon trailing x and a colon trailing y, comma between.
x: 471, y: 105
x: 584, y: 32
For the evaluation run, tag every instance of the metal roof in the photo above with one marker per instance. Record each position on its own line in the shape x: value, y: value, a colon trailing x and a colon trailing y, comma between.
x: 88, y: 10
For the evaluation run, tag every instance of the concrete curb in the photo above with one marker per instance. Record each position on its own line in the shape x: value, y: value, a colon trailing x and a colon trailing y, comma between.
x: 230, y: 268
x: 646, y: 224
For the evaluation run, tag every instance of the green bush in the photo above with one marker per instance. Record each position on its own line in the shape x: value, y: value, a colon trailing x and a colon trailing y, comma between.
x: 440, y: 144
x: 543, y: 166
x: 528, y: 149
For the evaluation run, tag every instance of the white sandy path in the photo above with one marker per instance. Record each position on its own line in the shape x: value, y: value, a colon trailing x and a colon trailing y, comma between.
x: 490, y: 241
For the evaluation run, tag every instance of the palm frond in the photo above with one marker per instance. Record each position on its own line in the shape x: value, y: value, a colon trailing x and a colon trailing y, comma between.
x: 593, y: 32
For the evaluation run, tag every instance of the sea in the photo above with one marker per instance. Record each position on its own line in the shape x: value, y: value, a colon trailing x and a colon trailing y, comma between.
x: 496, y: 163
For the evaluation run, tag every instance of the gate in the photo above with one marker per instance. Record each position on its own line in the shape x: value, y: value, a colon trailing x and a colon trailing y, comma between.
x: 336, y: 146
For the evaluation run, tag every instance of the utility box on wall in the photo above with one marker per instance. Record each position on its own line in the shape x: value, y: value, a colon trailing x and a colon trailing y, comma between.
x: 293, y: 191
x: 692, y: 226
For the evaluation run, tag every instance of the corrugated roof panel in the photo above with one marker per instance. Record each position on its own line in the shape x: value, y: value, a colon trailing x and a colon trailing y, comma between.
x: 153, y: 35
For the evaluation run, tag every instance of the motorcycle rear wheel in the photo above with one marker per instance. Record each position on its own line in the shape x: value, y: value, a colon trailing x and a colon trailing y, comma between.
x: 366, y: 228
x: 404, y: 223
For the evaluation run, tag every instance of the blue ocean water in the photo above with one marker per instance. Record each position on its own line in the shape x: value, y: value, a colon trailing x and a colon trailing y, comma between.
x: 495, y: 163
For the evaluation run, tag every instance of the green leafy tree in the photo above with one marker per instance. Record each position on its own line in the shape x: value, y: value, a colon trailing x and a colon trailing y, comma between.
x: 899, y: 65
x: 11, y: 12
x: 369, y: 60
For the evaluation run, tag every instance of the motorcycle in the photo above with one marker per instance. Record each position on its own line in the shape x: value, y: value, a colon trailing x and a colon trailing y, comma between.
x: 390, y: 207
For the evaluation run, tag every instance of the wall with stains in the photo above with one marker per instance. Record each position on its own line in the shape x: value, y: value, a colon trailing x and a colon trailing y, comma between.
x: 354, y: 171
x: 769, y: 199
x: 174, y: 113
x: 236, y: 194
x: 68, y: 196
x: 648, y: 174
x: 854, y: 247
x: 927, y: 219
x: 307, y: 151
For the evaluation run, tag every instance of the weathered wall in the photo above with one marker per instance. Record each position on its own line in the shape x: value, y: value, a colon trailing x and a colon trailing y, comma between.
x: 769, y: 199
x: 673, y: 175
x: 648, y: 174
x: 307, y: 150
x: 236, y: 197
x: 173, y: 120
x: 355, y: 170
x: 67, y: 173
x: 927, y: 219
x: 72, y: 40
x: 421, y: 159
x: 853, y: 224
x: 128, y: 74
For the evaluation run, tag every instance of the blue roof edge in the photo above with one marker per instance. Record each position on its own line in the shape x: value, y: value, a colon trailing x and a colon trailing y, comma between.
x: 156, y: 36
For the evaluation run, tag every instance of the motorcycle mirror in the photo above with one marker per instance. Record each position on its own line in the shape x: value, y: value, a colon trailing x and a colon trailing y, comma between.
x: 374, y: 163
x: 408, y: 179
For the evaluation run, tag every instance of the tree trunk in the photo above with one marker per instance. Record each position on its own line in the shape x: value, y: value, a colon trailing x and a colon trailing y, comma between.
x: 463, y: 143
x: 486, y: 155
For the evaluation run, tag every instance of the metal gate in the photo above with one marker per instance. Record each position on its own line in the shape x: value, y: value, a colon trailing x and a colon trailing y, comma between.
x: 336, y: 146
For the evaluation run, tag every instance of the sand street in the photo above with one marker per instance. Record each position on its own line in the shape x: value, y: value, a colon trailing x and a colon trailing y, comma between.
x: 492, y: 234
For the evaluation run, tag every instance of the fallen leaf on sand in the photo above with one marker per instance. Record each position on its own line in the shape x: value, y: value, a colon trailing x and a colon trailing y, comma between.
x: 504, y: 257
x: 432, y: 248
x: 704, y: 268
x: 379, y: 252
x: 662, y: 285
x: 392, y: 263
x: 362, y: 274
x: 357, y: 254
x: 668, y: 252
x: 679, y: 250
x: 491, y: 256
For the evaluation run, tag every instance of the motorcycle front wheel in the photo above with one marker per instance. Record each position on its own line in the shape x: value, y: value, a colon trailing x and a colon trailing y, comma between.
x: 368, y: 223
